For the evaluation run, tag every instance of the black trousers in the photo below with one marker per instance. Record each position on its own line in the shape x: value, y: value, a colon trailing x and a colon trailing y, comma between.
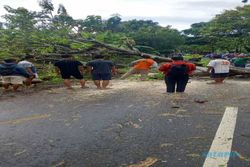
x: 179, y: 82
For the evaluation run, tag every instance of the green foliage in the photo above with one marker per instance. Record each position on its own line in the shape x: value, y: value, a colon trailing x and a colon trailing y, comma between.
x: 163, y: 40
x: 227, y: 32
x: 47, y: 74
x: 156, y: 76
x: 42, y: 32
x: 192, y: 56
x: 133, y: 26
x: 204, y: 62
x: 93, y: 24
x: 113, y: 23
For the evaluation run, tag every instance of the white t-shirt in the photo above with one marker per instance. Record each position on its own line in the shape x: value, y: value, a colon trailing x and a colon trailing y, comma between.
x: 220, y: 65
x: 247, y: 66
x: 25, y: 64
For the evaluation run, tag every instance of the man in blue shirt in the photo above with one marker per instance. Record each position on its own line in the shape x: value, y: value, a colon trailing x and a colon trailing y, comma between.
x: 101, y: 71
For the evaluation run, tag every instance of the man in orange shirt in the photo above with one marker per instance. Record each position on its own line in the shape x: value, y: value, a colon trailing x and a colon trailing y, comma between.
x: 141, y: 66
x: 177, y: 73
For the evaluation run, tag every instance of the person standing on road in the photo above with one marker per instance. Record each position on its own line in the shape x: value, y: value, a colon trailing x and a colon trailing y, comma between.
x: 67, y: 68
x: 177, y: 74
x: 219, y: 69
x: 101, y: 71
x: 13, y: 75
x: 141, y: 66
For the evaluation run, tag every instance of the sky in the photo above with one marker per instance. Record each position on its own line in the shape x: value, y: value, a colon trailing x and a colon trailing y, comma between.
x: 180, y: 14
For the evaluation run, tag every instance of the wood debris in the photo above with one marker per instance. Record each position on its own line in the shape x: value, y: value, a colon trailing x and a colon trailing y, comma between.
x: 146, y: 163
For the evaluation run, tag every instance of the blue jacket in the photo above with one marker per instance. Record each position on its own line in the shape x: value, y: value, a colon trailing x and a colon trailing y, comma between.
x: 8, y: 69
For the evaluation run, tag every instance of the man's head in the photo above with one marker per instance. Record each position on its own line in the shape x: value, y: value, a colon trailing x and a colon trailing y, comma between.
x: 66, y: 56
x: 177, y: 58
x: 10, y: 60
x: 99, y: 56
x: 216, y: 56
x: 145, y: 56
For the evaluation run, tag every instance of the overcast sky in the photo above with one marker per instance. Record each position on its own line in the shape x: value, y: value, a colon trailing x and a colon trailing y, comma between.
x: 178, y: 13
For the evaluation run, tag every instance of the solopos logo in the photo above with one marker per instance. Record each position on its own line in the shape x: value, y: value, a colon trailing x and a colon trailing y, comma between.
x: 222, y: 154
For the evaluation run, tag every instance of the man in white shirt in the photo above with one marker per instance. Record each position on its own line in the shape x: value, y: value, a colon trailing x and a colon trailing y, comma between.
x: 29, y: 67
x: 219, y: 69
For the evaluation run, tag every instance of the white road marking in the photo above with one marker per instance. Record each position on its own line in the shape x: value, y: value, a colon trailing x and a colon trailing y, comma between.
x: 219, y: 153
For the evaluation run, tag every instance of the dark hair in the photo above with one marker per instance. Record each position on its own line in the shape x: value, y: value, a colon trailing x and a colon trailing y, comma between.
x: 9, y: 60
x: 145, y: 56
x: 176, y: 58
x: 66, y: 56
x: 98, y: 56
x: 217, y: 56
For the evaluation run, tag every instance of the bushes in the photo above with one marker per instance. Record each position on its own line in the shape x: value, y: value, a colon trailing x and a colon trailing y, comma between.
x: 197, y: 59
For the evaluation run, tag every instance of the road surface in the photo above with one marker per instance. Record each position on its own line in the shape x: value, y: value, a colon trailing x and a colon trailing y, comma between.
x: 131, y: 125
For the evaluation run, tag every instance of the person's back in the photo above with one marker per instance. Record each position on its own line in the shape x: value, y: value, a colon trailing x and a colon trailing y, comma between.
x: 220, y: 65
x: 101, y: 66
x: 144, y: 64
x: 178, y: 68
x: 12, y: 69
x: 7, y: 69
x: 29, y: 67
x: 219, y: 69
x: 177, y: 74
x: 68, y: 66
x: 142, y: 67
x: 101, y: 71
x: 25, y: 64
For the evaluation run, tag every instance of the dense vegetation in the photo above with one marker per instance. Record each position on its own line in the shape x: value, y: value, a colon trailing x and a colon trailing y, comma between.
x: 227, y: 32
x: 50, y: 32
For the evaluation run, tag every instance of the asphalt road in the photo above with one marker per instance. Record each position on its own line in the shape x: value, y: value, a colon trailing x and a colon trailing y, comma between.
x: 133, y: 123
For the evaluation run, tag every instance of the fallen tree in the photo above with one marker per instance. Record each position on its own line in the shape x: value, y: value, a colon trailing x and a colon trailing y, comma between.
x: 96, y: 47
x: 239, y: 71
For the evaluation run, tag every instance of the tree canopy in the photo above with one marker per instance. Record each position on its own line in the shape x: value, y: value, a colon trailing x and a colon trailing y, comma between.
x: 226, y: 32
x: 51, y: 31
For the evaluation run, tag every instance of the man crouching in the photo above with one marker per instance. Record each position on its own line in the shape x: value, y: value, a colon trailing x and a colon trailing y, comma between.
x: 13, y: 75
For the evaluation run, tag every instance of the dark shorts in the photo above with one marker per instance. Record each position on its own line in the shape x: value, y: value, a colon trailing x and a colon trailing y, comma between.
x: 100, y: 76
x: 68, y: 76
x: 219, y: 75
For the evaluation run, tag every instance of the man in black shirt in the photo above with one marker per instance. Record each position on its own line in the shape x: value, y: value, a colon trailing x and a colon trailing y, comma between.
x: 101, y: 70
x: 68, y: 67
